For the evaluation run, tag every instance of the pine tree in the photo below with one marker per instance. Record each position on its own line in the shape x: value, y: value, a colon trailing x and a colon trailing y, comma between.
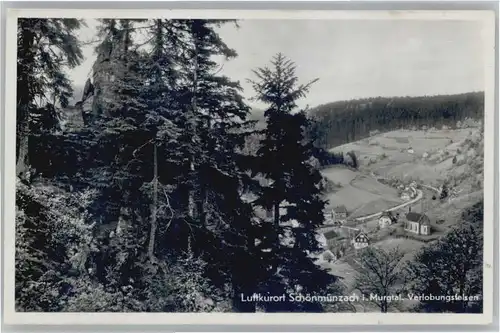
x: 194, y: 183
x: 216, y: 127
x: 45, y: 47
x: 295, y: 184
x: 132, y: 138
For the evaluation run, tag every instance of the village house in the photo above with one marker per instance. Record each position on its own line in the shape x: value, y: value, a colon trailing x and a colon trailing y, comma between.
x: 417, y: 223
x: 360, y: 241
x: 409, y: 192
x: 386, y: 219
x: 329, y: 256
x: 329, y: 220
x: 330, y: 237
x: 406, y: 196
x: 339, y: 215
x: 320, y: 237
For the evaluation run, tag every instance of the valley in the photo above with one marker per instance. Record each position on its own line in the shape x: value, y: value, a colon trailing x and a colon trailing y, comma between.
x: 426, y: 158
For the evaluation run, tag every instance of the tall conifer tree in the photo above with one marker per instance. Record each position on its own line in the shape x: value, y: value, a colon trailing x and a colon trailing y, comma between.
x: 45, y: 48
x: 294, y: 185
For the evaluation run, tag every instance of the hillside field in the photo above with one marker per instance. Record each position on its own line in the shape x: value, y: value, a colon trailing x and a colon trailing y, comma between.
x: 430, y: 160
x: 361, y: 194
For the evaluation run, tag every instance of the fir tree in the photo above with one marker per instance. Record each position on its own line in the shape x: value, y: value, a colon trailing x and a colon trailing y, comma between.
x: 45, y: 47
x: 130, y: 139
x: 294, y: 184
x: 192, y: 181
x: 216, y: 126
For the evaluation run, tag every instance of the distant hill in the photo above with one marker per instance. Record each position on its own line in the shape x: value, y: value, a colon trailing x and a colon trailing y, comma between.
x: 341, y: 122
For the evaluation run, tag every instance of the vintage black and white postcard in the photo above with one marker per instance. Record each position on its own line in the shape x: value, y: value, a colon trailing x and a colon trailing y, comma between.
x: 248, y: 166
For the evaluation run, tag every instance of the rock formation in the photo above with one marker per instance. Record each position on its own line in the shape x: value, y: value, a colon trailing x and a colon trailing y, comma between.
x: 98, y: 93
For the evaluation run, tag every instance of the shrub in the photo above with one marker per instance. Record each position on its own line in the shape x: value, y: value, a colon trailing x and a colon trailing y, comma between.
x: 54, y: 239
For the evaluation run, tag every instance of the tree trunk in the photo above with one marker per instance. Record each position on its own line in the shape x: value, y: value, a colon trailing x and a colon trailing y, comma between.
x: 201, y: 211
x: 154, y: 207
x: 22, y: 158
x: 277, y: 215
x: 192, y: 127
x: 25, y: 92
x: 383, y: 307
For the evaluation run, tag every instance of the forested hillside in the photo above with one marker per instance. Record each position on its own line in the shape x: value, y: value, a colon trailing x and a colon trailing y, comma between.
x: 346, y: 121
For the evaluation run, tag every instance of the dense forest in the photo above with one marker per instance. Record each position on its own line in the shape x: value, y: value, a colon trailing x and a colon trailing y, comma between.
x: 145, y: 206
x: 151, y: 200
x: 341, y: 122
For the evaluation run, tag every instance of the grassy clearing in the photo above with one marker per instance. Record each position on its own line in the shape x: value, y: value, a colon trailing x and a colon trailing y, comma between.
x: 358, y: 191
x: 339, y: 174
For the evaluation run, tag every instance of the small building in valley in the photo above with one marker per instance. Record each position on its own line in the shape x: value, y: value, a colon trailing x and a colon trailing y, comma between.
x: 330, y: 237
x: 320, y: 237
x: 339, y: 215
x: 406, y: 196
x: 329, y: 256
x: 360, y: 241
x: 417, y: 223
x: 386, y: 219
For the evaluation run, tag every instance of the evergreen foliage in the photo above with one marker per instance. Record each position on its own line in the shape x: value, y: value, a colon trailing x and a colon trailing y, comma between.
x: 45, y: 48
x: 452, y: 266
x: 294, y: 185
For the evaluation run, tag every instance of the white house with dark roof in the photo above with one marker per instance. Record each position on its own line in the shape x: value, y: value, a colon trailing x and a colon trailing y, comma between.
x: 386, y: 219
x: 360, y: 241
x: 417, y: 223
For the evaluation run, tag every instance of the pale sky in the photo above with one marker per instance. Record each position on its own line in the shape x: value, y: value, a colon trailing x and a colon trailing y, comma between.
x: 352, y: 58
